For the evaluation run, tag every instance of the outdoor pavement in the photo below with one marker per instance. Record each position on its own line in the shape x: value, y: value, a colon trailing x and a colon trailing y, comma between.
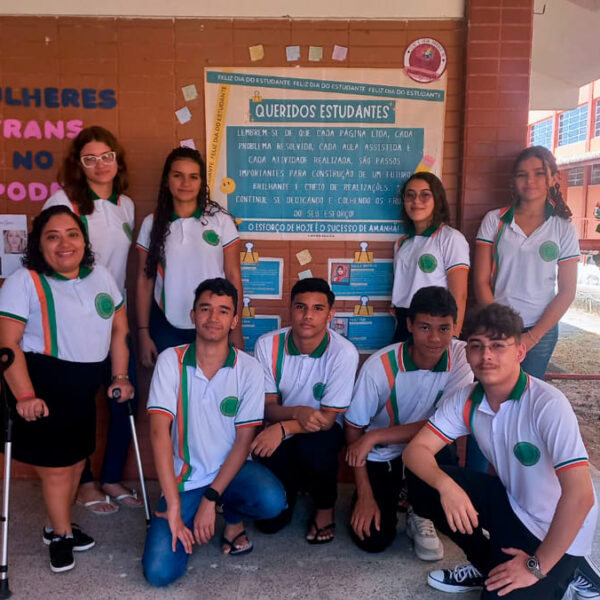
x: 281, y: 567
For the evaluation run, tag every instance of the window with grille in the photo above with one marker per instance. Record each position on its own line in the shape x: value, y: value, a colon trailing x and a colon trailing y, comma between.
x: 597, y: 119
x: 572, y: 125
x: 576, y: 177
x: 595, y: 176
x: 540, y: 134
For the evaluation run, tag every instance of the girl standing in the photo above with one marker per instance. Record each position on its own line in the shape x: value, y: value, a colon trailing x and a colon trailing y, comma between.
x: 94, y: 179
x: 188, y: 239
x: 430, y: 253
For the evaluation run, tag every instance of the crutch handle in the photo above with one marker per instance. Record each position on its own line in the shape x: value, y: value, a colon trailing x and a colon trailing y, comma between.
x: 7, y: 357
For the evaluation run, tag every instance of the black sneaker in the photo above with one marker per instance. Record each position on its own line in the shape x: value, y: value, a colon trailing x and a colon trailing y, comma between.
x: 61, y: 554
x: 460, y: 579
x: 81, y: 541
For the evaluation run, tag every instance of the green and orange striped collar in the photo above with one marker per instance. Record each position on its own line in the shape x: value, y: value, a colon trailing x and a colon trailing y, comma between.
x: 509, y: 213
x: 189, y: 358
x: 83, y: 273
x: 292, y: 349
x: 478, y: 392
x: 113, y: 198
x: 442, y: 365
x: 196, y: 215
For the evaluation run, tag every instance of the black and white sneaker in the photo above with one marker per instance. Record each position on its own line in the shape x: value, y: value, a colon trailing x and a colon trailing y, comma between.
x: 61, y: 554
x: 81, y: 541
x: 455, y: 581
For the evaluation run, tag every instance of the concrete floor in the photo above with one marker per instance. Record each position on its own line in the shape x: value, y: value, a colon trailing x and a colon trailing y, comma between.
x: 281, y: 567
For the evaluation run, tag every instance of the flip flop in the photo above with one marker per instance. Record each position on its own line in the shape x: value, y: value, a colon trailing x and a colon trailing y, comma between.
x: 320, y: 531
x: 121, y: 499
x: 90, y: 506
x: 231, y: 544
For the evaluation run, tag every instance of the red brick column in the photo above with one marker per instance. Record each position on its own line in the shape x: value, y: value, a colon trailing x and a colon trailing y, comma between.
x: 497, y: 74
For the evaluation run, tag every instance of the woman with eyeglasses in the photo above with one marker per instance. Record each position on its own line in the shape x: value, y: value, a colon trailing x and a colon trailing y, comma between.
x: 430, y: 252
x: 188, y: 238
x: 94, y: 180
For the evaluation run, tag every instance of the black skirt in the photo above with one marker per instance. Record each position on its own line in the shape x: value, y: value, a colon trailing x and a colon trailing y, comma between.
x: 68, y: 434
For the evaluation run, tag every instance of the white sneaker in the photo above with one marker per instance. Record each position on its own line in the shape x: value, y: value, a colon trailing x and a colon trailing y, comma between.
x: 582, y: 589
x: 455, y: 581
x: 422, y: 532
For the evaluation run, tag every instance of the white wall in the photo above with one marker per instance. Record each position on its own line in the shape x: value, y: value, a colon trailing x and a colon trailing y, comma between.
x: 321, y: 9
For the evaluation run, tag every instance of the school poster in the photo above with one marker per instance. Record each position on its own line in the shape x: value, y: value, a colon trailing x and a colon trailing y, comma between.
x: 319, y: 153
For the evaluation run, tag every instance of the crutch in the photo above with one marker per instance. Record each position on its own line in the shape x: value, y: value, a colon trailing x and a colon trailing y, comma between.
x: 116, y: 395
x: 7, y: 357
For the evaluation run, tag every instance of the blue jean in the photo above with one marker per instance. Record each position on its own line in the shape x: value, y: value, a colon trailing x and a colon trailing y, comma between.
x: 538, y: 357
x: 254, y: 493
x: 163, y: 334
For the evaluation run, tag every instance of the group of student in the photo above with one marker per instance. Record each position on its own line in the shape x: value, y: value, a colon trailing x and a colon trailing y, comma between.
x: 524, y: 530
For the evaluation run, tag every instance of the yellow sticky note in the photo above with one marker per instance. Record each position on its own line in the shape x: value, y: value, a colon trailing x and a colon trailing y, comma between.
x: 256, y: 52
x: 304, y: 257
x: 315, y: 53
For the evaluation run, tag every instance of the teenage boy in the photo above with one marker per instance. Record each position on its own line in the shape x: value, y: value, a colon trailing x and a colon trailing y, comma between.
x: 540, y: 511
x: 309, y: 374
x: 397, y: 389
x: 206, y: 400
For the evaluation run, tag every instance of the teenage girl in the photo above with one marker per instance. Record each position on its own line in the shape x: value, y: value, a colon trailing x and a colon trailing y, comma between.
x: 430, y: 252
x: 188, y: 238
x: 94, y: 178
x: 527, y: 253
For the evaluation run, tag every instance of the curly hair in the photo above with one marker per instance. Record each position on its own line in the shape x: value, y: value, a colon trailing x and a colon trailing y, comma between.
x: 496, y: 321
x: 71, y: 174
x: 560, y: 206
x: 441, y: 210
x: 165, y: 207
x: 34, y: 258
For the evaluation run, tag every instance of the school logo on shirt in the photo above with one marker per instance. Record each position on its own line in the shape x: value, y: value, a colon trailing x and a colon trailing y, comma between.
x: 318, y: 390
x: 229, y: 406
x: 105, y: 306
x: 527, y: 454
x: 549, y: 251
x: 127, y: 231
x: 210, y: 236
x: 427, y: 263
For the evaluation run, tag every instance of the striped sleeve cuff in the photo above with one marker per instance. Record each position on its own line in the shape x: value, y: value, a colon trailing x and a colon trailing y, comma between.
x: 13, y: 317
x: 253, y: 423
x: 568, y: 258
x: 159, y: 410
x: 273, y: 397
x: 570, y: 464
x: 447, y: 439
x: 484, y: 241
x: 231, y: 243
x: 337, y: 409
x: 355, y: 425
x: 120, y: 305
x: 140, y: 247
x: 457, y: 267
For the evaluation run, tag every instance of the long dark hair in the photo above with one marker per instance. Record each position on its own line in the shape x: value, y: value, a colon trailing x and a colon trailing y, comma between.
x: 71, y: 174
x: 165, y: 207
x: 555, y: 195
x: 441, y: 210
x: 33, y: 257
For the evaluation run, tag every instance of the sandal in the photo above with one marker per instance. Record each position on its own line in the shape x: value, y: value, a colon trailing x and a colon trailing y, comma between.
x: 319, y: 532
x: 105, y: 501
x: 129, y: 498
x: 236, y: 551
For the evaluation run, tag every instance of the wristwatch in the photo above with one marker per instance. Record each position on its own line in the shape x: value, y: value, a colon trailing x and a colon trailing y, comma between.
x: 212, y: 495
x: 533, y: 565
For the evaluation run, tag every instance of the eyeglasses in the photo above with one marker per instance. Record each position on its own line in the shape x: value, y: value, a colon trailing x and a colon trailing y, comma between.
x: 493, y: 347
x: 423, y: 195
x: 89, y: 161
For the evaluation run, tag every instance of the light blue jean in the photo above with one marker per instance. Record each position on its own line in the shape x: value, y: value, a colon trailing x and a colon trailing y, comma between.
x: 535, y: 364
x: 254, y: 493
x: 538, y: 357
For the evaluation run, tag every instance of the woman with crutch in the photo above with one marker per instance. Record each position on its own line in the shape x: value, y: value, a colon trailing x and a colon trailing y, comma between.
x: 61, y: 316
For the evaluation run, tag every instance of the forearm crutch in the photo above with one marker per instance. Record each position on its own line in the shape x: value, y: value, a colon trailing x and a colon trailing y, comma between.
x: 7, y: 357
x: 116, y: 395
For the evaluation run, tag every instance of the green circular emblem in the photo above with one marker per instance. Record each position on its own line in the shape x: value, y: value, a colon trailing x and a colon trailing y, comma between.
x: 229, y: 406
x: 549, y: 251
x: 527, y: 454
x: 427, y: 263
x: 318, y: 390
x: 105, y: 306
x: 127, y: 231
x: 210, y: 236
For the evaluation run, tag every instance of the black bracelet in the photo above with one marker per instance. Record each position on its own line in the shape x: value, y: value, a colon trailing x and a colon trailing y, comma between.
x: 283, y: 433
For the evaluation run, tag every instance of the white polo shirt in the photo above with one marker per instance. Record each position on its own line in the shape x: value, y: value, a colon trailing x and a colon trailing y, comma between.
x: 193, y: 252
x: 70, y: 319
x: 392, y: 390
x: 322, y: 379
x: 533, y: 436
x: 109, y: 228
x: 524, y: 268
x: 206, y: 412
x: 426, y: 259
